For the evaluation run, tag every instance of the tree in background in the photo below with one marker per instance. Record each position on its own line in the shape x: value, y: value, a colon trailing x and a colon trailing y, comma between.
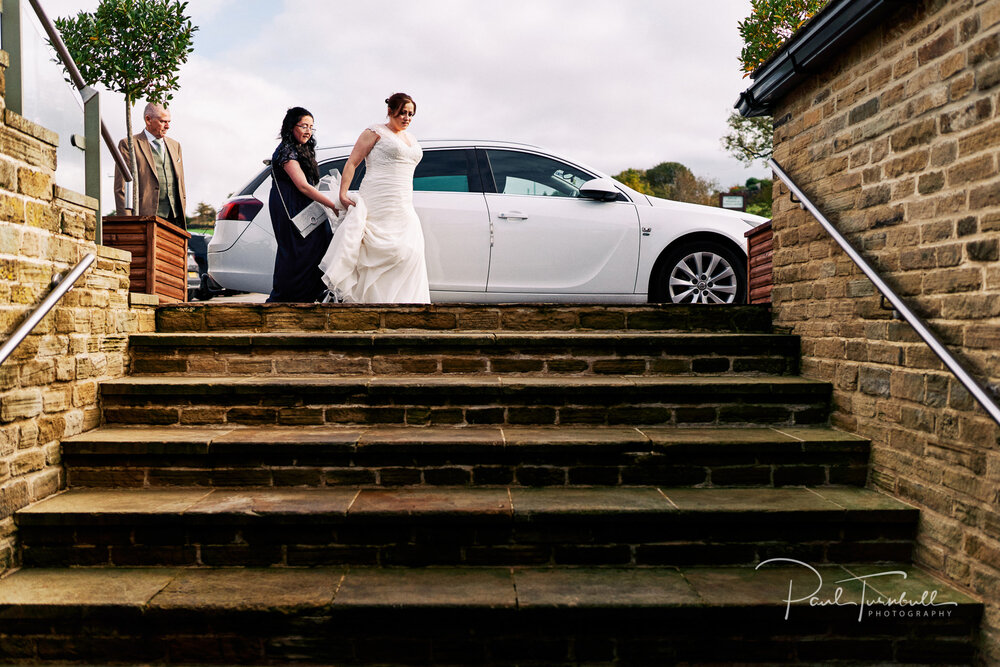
x: 770, y: 23
x: 204, y: 217
x: 749, y: 139
x: 759, y: 192
x: 635, y: 179
x: 671, y: 180
x: 133, y: 47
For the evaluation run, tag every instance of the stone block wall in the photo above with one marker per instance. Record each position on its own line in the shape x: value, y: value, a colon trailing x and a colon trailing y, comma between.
x: 48, y: 388
x: 897, y: 142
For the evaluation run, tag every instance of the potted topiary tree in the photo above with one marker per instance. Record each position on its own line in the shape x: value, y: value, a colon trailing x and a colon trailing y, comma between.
x: 136, y: 48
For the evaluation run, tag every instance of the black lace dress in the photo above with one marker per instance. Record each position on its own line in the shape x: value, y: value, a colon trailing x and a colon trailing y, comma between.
x: 297, y: 277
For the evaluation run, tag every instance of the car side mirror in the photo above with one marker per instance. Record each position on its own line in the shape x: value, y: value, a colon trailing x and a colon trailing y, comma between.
x: 601, y: 189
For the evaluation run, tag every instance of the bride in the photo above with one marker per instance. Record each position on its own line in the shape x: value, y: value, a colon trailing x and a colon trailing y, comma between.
x: 377, y: 252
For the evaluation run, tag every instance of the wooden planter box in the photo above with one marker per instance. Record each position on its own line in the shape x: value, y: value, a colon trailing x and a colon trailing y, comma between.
x: 760, y: 247
x: 159, y: 254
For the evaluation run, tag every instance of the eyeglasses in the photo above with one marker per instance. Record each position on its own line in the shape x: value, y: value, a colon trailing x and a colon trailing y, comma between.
x: 408, y: 114
x: 306, y: 128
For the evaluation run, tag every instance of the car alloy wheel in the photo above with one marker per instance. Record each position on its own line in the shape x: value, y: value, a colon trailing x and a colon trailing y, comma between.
x: 703, y: 272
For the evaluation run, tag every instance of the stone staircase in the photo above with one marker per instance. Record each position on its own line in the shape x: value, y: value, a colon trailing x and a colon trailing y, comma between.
x: 471, y: 485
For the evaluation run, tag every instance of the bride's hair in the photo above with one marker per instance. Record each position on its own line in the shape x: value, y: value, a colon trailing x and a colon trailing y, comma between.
x: 306, y: 151
x: 397, y: 101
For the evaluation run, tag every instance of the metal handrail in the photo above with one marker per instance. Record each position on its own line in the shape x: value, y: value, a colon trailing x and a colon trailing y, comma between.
x: 912, y: 318
x: 78, y: 81
x: 45, y: 306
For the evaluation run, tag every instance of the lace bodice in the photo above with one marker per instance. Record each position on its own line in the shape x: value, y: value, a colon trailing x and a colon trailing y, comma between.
x: 391, y: 151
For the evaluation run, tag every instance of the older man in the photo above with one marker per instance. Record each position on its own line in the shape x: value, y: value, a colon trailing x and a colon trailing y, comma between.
x: 159, y: 171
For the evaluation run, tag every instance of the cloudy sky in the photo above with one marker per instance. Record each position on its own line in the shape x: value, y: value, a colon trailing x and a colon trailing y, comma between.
x: 629, y: 83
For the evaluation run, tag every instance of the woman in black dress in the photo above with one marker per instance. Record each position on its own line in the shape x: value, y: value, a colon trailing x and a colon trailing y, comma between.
x: 297, y: 277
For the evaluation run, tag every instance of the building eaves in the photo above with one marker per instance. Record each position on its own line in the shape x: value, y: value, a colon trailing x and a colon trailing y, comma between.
x: 821, y: 39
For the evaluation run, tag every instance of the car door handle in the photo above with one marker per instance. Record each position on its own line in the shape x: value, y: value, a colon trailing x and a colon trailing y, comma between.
x: 514, y: 215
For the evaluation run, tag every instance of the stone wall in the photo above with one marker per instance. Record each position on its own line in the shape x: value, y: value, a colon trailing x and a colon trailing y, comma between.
x: 48, y: 388
x: 897, y: 142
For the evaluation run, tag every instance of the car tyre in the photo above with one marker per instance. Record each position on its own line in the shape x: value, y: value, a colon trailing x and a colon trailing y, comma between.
x: 701, y: 272
x: 204, y: 292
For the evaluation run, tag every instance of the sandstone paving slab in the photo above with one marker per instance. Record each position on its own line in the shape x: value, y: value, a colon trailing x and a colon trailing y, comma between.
x: 287, y: 503
x: 251, y: 589
x: 772, y: 584
x: 562, y: 503
x: 546, y: 338
x: 431, y: 502
x: 427, y: 587
x: 151, y: 434
x: 149, y: 440
x: 97, y: 503
x: 672, y: 436
x: 749, y: 500
x: 84, y: 587
x: 591, y: 438
x: 721, y: 439
x: 602, y: 588
x: 856, y: 500
x: 812, y: 434
x: 391, y: 438
x: 914, y: 585
x: 518, y: 384
x: 434, y: 381
x: 756, y: 382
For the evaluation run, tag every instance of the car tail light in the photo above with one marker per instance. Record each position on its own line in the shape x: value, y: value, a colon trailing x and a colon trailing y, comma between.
x: 240, y: 209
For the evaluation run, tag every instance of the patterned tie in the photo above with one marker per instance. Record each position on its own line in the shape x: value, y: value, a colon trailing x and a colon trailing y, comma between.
x: 156, y: 146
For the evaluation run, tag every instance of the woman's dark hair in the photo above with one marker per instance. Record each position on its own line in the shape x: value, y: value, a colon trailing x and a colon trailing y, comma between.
x: 306, y: 151
x: 397, y: 101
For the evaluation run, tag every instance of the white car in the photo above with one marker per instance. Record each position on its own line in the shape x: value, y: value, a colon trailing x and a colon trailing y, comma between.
x: 507, y: 222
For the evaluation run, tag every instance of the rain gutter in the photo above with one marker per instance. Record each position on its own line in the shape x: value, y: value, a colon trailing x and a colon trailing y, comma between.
x: 823, y: 38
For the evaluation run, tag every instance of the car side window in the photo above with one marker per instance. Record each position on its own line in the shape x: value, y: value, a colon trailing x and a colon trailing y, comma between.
x: 447, y: 171
x: 517, y: 173
x: 328, y: 166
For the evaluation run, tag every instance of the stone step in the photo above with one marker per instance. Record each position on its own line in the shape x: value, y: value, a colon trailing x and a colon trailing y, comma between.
x: 387, y: 456
x: 435, y: 353
x: 465, y: 399
x: 497, y: 616
x: 259, y: 317
x: 451, y: 526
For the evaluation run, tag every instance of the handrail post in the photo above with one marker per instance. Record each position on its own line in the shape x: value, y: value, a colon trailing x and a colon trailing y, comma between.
x: 11, y: 36
x: 914, y: 320
x: 92, y: 130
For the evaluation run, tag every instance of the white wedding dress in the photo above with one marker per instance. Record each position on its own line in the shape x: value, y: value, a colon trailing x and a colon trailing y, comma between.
x: 377, y: 252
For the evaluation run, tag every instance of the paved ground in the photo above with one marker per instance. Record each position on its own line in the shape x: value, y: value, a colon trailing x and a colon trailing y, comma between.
x: 251, y: 297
